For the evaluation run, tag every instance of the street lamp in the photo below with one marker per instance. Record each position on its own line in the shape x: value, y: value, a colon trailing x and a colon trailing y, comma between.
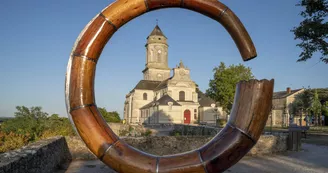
x: 215, y: 110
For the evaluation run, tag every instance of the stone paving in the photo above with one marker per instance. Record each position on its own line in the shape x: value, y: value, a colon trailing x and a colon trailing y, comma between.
x: 312, y: 159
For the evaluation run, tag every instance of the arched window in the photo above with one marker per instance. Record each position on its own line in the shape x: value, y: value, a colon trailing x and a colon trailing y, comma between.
x: 181, y: 96
x: 144, y: 96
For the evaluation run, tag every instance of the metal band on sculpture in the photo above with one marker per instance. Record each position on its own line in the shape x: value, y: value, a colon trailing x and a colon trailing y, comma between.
x: 248, y: 116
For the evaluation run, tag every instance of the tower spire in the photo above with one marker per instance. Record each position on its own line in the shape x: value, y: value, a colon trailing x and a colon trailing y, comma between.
x: 157, y: 56
x: 181, y: 64
x: 157, y: 31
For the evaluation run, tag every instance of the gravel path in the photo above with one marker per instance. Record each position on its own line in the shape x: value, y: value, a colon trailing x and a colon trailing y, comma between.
x: 312, y: 158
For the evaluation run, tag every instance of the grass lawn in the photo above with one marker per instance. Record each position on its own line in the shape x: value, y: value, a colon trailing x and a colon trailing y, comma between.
x: 319, y: 129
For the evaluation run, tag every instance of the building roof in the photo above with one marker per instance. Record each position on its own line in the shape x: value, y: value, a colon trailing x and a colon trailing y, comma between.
x: 284, y: 94
x: 147, y: 85
x: 203, y: 100
x: 163, y: 84
x: 164, y: 100
x: 157, y: 32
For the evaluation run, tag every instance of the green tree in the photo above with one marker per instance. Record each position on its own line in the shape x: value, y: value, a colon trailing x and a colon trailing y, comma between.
x: 57, y: 125
x: 223, y: 85
x: 112, y: 117
x: 313, y: 30
x: 27, y: 121
x: 323, y: 94
x: 303, y: 101
x: 325, y: 109
x: 31, y: 124
x: 316, y: 108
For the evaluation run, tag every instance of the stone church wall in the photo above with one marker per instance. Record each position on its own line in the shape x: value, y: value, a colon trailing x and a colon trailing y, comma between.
x: 208, y: 115
x: 172, y: 115
x: 188, y: 92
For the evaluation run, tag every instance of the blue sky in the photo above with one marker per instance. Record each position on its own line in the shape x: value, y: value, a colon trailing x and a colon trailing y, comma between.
x: 36, y: 38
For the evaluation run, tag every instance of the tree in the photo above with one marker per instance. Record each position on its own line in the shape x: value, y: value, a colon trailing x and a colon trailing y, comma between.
x: 325, y: 109
x: 303, y: 101
x: 325, y: 112
x: 316, y: 108
x: 57, y: 125
x: 323, y: 94
x: 313, y: 30
x: 309, y: 101
x: 27, y: 121
x: 31, y: 124
x: 223, y: 85
x: 112, y: 117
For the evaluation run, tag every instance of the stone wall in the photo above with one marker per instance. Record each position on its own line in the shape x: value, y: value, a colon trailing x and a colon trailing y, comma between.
x: 78, y: 149
x: 127, y: 130
x: 42, y: 156
x: 194, y: 130
x: 183, y: 138
x: 166, y: 145
x: 269, y: 144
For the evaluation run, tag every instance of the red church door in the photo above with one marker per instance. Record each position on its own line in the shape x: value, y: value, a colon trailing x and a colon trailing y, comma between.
x: 186, y: 116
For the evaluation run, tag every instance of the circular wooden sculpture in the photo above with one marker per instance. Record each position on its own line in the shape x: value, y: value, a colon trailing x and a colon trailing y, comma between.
x: 248, y: 116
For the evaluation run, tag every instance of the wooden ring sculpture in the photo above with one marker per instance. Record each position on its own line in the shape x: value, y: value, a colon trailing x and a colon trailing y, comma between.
x: 248, y: 117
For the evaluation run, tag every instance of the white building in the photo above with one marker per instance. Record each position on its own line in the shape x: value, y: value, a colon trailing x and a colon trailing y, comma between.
x: 160, y: 98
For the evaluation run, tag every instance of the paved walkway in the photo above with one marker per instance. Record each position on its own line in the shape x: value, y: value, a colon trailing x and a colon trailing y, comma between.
x: 312, y: 159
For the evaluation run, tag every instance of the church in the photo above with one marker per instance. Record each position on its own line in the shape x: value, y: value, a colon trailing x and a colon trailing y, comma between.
x: 160, y: 98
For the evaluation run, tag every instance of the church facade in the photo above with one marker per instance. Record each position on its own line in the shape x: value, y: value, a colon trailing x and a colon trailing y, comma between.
x: 162, y: 98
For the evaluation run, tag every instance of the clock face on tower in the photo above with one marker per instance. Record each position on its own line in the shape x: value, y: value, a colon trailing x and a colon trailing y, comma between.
x: 159, y: 76
x: 182, y: 72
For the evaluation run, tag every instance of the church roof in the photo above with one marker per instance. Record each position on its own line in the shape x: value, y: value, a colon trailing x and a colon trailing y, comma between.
x: 157, y: 31
x: 147, y: 85
x: 203, y: 100
x: 164, y: 100
x: 283, y: 94
x: 163, y: 84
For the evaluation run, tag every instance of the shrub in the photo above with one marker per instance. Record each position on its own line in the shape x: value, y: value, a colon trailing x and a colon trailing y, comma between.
x: 123, y: 132
x: 30, y: 125
x: 130, y: 128
x: 112, y: 117
x: 11, y: 141
x: 222, y: 122
x: 147, y: 133
x: 175, y: 133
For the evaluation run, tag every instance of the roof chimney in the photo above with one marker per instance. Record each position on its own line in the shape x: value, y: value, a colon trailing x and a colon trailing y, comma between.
x: 289, y: 90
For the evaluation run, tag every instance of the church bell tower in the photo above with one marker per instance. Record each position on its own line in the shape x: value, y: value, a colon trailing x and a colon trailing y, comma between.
x: 156, y: 57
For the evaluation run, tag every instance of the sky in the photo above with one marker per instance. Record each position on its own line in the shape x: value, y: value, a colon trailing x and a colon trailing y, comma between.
x: 37, y: 36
